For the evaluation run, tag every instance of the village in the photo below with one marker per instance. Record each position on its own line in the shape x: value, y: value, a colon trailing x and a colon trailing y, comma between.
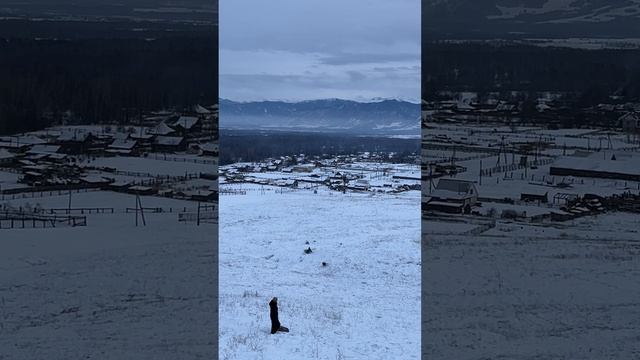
x: 48, y: 178
x: 529, y: 226
x: 371, y: 172
x: 484, y: 162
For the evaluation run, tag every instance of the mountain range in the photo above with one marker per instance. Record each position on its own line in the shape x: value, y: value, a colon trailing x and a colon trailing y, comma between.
x: 447, y: 19
x: 384, y: 118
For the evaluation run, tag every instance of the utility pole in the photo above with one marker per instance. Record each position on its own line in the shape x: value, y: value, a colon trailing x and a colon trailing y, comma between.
x: 198, y: 216
x: 140, y: 209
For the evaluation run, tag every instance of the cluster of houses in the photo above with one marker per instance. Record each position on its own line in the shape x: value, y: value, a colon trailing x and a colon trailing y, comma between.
x: 334, y: 173
x: 548, y: 108
x: 455, y: 196
x: 49, y: 157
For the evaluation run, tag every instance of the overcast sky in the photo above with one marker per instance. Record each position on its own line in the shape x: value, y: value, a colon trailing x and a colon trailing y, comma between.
x: 316, y: 49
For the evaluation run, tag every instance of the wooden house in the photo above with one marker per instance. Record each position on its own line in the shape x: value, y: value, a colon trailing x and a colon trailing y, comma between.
x: 186, y: 125
x: 123, y: 147
x: 630, y: 122
x: 169, y: 144
x: 75, y: 142
x: 452, y: 195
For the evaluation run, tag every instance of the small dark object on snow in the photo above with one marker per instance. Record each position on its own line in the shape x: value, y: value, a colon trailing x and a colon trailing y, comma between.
x: 275, y: 323
x: 308, y: 250
x: 306, y: 242
x: 324, y: 263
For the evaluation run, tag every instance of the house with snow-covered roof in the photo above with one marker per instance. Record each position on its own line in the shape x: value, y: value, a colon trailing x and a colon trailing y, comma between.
x: 162, y: 129
x: 208, y: 149
x: 452, y: 195
x: 187, y: 124
x: 199, y: 109
x: 123, y: 147
x: 169, y: 144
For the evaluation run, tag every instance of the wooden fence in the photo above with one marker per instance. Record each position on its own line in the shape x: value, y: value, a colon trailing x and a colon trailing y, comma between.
x: 513, y: 167
x: 25, y: 220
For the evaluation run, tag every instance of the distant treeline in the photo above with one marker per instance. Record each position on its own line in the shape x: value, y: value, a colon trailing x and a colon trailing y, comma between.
x: 102, y: 80
x: 236, y: 146
x: 592, y: 75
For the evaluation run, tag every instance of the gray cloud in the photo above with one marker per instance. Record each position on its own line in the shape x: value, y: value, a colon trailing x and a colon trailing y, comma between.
x: 291, y: 49
x: 345, y: 59
x: 356, y: 75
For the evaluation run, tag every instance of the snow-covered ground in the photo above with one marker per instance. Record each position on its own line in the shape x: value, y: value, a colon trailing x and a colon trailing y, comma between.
x: 109, y: 290
x: 151, y: 165
x: 501, y: 289
x: 364, y: 304
x: 517, y: 291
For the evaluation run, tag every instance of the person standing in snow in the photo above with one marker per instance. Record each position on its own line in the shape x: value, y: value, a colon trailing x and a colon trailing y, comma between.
x: 275, y: 323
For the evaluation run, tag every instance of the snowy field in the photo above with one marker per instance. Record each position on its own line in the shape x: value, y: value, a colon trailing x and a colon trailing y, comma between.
x: 151, y: 165
x: 109, y: 290
x: 535, y: 292
x: 364, y: 304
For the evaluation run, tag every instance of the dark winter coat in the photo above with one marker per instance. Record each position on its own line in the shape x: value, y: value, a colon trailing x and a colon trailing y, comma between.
x: 275, y: 323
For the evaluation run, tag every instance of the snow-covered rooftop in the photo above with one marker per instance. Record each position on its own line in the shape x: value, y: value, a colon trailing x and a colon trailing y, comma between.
x: 186, y: 122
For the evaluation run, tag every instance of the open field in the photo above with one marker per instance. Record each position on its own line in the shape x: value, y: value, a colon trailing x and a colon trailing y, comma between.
x: 364, y: 304
x: 110, y: 289
x: 530, y: 292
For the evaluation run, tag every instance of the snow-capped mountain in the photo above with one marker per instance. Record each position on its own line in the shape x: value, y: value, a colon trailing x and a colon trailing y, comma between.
x: 551, y: 18
x: 387, y: 117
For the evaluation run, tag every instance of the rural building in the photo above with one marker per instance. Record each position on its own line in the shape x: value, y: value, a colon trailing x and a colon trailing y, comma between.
x: 535, y: 197
x: 302, y: 168
x: 145, y: 141
x: 14, y: 146
x: 75, y: 142
x: 169, y: 144
x: 120, y: 185
x: 162, y: 129
x: 451, y: 195
x: 141, y: 190
x: 6, y: 158
x: 360, y: 184
x: 46, y: 152
x: 208, y: 149
x: 123, y: 147
x: 187, y: 124
x: 44, y: 149
x: 200, y: 195
x: 201, y: 110
x: 630, y: 122
x: 605, y: 165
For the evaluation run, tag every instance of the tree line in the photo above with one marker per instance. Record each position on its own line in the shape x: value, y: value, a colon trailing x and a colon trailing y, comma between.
x: 105, y: 80
x: 592, y: 75
x: 240, y: 146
